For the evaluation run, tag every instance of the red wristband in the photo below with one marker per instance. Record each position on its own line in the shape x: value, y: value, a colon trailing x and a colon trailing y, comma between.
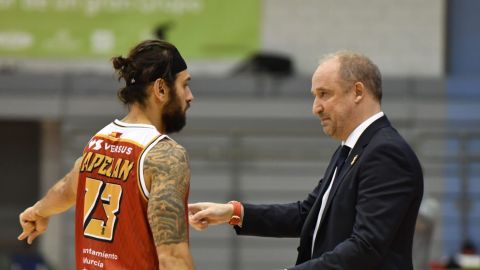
x: 237, y: 213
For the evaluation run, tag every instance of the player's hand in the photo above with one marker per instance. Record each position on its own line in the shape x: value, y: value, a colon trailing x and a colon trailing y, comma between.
x: 32, y: 224
x: 200, y: 215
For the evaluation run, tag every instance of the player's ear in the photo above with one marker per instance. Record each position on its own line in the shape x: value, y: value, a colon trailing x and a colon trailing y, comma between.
x: 160, y: 89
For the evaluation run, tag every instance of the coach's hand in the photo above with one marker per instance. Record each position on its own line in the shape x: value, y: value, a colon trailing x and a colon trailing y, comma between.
x: 203, y: 214
x: 32, y: 224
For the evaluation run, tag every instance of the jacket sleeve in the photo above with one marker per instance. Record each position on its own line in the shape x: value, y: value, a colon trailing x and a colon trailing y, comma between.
x: 389, y: 180
x: 276, y: 220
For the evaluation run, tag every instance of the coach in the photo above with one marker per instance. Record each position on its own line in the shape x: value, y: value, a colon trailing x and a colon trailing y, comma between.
x: 362, y: 213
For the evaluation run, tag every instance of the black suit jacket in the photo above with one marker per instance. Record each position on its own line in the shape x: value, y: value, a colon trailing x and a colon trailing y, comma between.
x: 369, y: 219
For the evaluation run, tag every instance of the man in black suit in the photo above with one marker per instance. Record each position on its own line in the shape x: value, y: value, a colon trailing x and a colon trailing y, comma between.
x: 362, y: 213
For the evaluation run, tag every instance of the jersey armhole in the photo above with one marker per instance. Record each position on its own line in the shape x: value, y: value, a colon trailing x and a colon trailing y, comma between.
x: 141, y: 177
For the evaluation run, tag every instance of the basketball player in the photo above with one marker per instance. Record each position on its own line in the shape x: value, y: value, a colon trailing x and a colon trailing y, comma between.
x: 131, y: 185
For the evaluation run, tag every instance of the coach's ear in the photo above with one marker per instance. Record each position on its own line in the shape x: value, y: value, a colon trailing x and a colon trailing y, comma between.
x: 160, y: 90
x: 359, y: 91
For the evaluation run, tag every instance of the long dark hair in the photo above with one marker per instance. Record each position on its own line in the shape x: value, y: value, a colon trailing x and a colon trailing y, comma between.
x: 146, y: 62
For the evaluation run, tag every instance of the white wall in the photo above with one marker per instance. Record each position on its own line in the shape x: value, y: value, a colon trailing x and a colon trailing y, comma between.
x: 404, y: 38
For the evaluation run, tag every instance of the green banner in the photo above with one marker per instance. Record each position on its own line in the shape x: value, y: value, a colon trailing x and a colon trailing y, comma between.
x: 102, y: 28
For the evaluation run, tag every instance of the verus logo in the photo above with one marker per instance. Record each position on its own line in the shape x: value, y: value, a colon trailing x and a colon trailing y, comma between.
x: 97, y: 143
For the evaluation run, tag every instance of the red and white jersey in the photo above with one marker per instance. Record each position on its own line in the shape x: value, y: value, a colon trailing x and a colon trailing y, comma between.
x: 111, y: 224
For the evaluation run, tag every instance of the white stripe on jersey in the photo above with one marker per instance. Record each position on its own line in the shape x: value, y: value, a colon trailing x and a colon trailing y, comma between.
x: 140, y: 168
x: 143, y: 134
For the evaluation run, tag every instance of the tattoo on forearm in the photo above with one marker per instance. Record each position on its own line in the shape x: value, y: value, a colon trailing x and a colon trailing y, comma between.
x: 167, y: 165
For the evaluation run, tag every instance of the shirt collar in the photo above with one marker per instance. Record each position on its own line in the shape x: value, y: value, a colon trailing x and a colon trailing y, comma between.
x: 357, y: 132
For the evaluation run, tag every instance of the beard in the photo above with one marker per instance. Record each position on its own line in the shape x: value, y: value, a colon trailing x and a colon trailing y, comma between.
x: 173, y: 117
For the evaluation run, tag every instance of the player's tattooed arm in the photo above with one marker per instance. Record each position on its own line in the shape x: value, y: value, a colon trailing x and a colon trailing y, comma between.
x: 167, y: 167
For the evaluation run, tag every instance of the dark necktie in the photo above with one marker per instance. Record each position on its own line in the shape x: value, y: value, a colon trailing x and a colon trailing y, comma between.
x: 341, y: 158
x: 339, y: 162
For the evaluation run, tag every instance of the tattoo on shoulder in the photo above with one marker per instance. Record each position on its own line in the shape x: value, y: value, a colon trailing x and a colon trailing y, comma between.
x: 167, y: 165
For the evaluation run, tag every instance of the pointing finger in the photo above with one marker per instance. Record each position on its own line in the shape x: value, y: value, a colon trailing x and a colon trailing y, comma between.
x: 27, y: 227
x: 23, y: 235
x: 32, y: 237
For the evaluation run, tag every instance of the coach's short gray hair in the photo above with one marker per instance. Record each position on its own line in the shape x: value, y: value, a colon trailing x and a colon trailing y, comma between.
x: 355, y: 67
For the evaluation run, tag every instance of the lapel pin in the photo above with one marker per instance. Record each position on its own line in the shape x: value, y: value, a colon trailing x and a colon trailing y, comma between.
x: 354, y: 159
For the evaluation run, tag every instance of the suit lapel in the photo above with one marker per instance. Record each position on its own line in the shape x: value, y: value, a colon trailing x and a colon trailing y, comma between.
x: 355, y: 154
x: 353, y: 158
